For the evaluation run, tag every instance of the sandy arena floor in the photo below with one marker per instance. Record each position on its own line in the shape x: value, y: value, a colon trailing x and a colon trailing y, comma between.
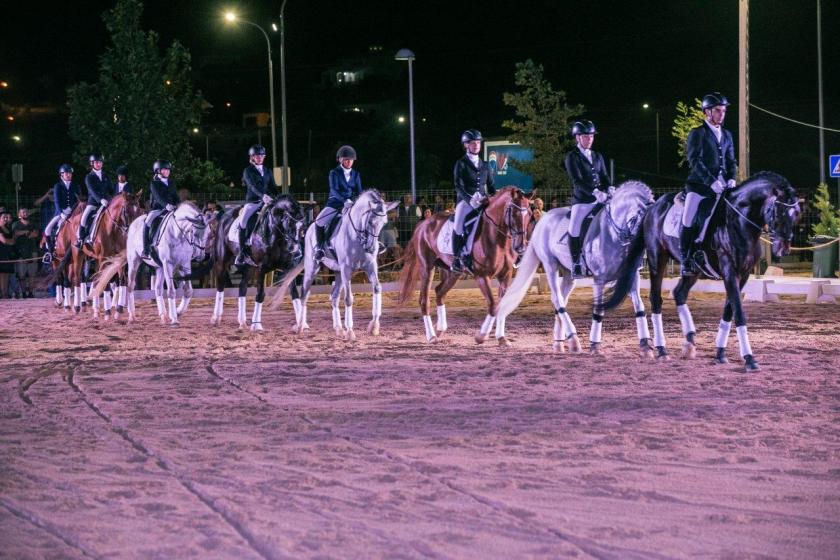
x: 146, y: 441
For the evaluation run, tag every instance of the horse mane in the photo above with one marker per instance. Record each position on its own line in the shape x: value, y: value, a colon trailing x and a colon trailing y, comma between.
x: 186, y: 205
x: 634, y: 187
x: 762, y: 178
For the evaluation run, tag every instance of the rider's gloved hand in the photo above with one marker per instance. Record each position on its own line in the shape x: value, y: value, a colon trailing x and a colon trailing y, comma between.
x: 348, y: 203
x: 67, y: 211
x: 267, y: 199
x: 104, y: 202
x: 610, y: 191
x: 170, y: 207
x: 730, y: 184
x: 476, y: 199
x: 718, y: 186
x: 600, y: 196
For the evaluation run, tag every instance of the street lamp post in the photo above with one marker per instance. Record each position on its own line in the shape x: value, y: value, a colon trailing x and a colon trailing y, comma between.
x: 230, y: 16
x: 283, y: 178
x: 647, y: 106
x: 405, y: 54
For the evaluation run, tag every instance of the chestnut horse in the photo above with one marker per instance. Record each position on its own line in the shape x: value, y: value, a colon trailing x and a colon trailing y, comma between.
x: 502, y: 236
x: 109, y: 240
x: 64, y: 282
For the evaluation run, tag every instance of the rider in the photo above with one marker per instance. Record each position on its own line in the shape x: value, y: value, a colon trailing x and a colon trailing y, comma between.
x: 345, y: 187
x: 473, y: 184
x: 164, y: 199
x: 99, y: 190
x: 122, y: 184
x: 261, y: 189
x: 711, y: 154
x: 588, y: 173
x: 65, y: 197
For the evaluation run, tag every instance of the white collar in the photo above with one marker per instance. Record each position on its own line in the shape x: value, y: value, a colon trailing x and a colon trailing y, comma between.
x: 66, y: 184
x: 586, y: 153
x: 474, y: 159
x: 164, y: 180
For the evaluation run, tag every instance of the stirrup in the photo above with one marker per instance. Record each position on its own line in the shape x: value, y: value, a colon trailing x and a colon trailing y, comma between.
x: 577, y: 271
x: 47, y: 258
x: 457, y: 265
x: 319, y: 254
x: 688, y: 267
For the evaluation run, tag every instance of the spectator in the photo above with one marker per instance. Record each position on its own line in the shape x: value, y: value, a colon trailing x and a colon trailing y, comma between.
x: 212, y: 209
x: 26, y: 236
x: 427, y: 213
x: 408, y: 216
x: 440, y: 204
x: 538, y: 205
x: 421, y: 202
x: 184, y: 194
x: 389, y: 237
x: 7, y: 252
x: 555, y: 203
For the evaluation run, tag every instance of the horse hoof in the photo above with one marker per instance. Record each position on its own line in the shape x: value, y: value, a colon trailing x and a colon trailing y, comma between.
x: 256, y: 328
x: 504, y: 342
x: 339, y: 333
x: 595, y: 349
x: 350, y: 336
x: 558, y: 346
x: 76, y: 308
x: 689, y: 351
x: 373, y: 328
x: 84, y: 304
x: 296, y: 329
x: 646, y: 353
x: 213, y: 321
x: 480, y: 338
x: 750, y: 364
x: 574, y: 344
x: 431, y: 340
x: 120, y: 308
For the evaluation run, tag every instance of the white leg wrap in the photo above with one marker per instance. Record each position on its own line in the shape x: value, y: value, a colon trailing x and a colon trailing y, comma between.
x: 303, y: 316
x: 348, y: 317
x: 83, y: 295
x: 500, y: 326
x: 685, y: 319
x: 722, y: 338
x: 595, y: 333
x: 256, y: 317
x: 106, y: 299
x: 567, y: 324
x: 559, y: 329
x: 658, y: 330
x: 297, y: 305
x: 488, y: 324
x: 58, y: 295
x: 185, y: 302
x: 377, y: 305
x: 441, y: 318
x: 219, y: 304
x: 241, y: 311
x: 96, y: 304
x: 67, y: 296
x: 131, y: 301
x: 161, y: 308
x: 336, y: 315
x: 743, y: 341
x: 642, y: 328
x: 430, y: 328
x: 76, y: 295
x: 173, y: 310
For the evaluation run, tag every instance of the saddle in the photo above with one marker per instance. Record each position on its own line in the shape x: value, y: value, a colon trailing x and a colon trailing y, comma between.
x: 97, y: 217
x: 254, y: 221
x: 672, y: 227
x: 444, y: 239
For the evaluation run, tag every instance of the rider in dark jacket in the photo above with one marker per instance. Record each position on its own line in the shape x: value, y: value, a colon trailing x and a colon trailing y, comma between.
x: 164, y: 197
x: 474, y: 183
x: 345, y: 187
x: 65, y: 198
x: 260, y: 189
x: 711, y: 154
x: 99, y: 190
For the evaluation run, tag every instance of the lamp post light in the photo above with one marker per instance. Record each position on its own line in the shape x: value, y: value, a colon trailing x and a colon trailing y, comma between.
x: 405, y: 54
x: 647, y: 106
x: 232, y: 17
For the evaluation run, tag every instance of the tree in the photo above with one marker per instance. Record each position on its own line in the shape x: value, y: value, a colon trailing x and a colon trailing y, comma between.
x: 143, y: 104
x: 687, y: 118
x: 829, y: 224
x: 541, y: 124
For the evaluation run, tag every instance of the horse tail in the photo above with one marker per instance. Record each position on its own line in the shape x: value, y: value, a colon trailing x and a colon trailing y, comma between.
x: 111, y: 266
x: 288, y: 278
x: 521, y: 282
x: 59, y: 269
x: 628, y: 271
x: 411, y: 269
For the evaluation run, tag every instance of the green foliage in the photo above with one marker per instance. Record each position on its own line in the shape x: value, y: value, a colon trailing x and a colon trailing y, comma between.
x: 829, y: 224
x: 205, y: 177
x: 143, y: 103
x: 541, y: 124
x: 687, y: 118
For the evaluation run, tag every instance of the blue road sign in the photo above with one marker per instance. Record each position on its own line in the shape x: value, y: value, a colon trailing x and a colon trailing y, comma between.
x: 834, y: 166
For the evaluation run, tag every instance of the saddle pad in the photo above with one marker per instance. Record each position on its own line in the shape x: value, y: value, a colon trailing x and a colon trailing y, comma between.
x: 444, y: 239
x: 233, y: 232
x: 673, y: 219
x: 95, y: 225
x: 157, y: 227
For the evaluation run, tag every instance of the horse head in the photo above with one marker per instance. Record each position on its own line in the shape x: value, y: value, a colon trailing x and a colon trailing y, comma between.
x: 286, y: 222
x: 194, y: 227
x: 768, y: 200
x: 369, y: 214
x: 627, y: 208
x: 510, y: 211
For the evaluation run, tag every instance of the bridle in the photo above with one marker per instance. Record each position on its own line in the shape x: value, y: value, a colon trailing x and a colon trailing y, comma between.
x: 513, y: 232
x: 366, y: 235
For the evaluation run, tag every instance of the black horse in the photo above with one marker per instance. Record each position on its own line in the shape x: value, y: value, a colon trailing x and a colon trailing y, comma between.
x: 276, y: 244
x: 729, y: 251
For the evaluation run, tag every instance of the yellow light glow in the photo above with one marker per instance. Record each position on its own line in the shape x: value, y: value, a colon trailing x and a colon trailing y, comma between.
x: 4, y: 84
x: 401, y: 119
x: 228, y: 104
x: 645, y: 106
x: 230, y: 16
x: 168, y: 82
x: 10, y: 118
x: 195, y: 131
x: 16, y: 138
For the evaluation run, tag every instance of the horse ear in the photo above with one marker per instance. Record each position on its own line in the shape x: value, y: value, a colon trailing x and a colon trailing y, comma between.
x: 139, y: 193
x: 533, y: 193
x: 391, y: 205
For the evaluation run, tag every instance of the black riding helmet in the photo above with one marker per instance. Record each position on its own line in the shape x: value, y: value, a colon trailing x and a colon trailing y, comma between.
x: 345, y: 152
x: 583, y: 127
x: 161, y: 164
x: 122, y: 170
x: 256, y: 150
x: 714, y: 99
x: 65, y: 168
x: 96, y: 157
x: 470, y: 134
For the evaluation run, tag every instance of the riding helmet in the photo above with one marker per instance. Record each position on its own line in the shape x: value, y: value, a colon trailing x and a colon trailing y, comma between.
x: 256, y: 150
x: 161, y: 164
x: 345, y: 152
x: 712, y: 100
x: 65, y: 168
x: 583, y: 127
x: 96, y: 157
x: 469, y: 135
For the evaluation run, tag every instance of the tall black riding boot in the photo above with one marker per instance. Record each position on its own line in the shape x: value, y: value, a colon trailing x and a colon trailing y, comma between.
x: 82, y: 236
x: 575, y: 248
x: 457, y: 249
x: 687, y: 237
x: 147, y: 240
x: 242, y: 257
x: 320, y: 239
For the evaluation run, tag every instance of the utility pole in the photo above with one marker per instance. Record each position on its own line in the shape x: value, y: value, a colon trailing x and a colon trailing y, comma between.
x: 743, y: 90
x: 820, y: 95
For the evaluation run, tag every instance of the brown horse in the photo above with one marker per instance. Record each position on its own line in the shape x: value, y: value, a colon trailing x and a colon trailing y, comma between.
x: 110, y: 239
x: 502, y: 236
x: 61, y: 275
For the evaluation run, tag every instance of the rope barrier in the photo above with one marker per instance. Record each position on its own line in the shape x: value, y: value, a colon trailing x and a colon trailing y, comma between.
x: 15, y: 261
x: 820, y: 246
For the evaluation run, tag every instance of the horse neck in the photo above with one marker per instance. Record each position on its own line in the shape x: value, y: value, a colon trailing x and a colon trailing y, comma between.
x: 496, y: 211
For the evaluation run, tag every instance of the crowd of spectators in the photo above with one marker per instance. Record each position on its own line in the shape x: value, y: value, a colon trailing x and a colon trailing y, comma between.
x: 19, y: 254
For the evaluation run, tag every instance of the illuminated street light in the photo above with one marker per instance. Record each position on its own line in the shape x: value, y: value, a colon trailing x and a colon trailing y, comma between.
x: 10, y: 118
x: 17, y: 138
x: 400, y: 119
x: 228, y: 104
x: 647, y: 106
x: 4, y: 84
x: 232, y: 17
x: 195, y: 131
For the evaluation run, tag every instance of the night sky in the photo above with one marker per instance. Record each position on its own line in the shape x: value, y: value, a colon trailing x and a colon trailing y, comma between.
x: 609, y: 57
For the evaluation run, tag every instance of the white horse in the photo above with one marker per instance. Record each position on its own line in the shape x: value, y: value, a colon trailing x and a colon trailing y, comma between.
x: 355, y: 247
x: 614, y: 229
x: 183, y: 237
